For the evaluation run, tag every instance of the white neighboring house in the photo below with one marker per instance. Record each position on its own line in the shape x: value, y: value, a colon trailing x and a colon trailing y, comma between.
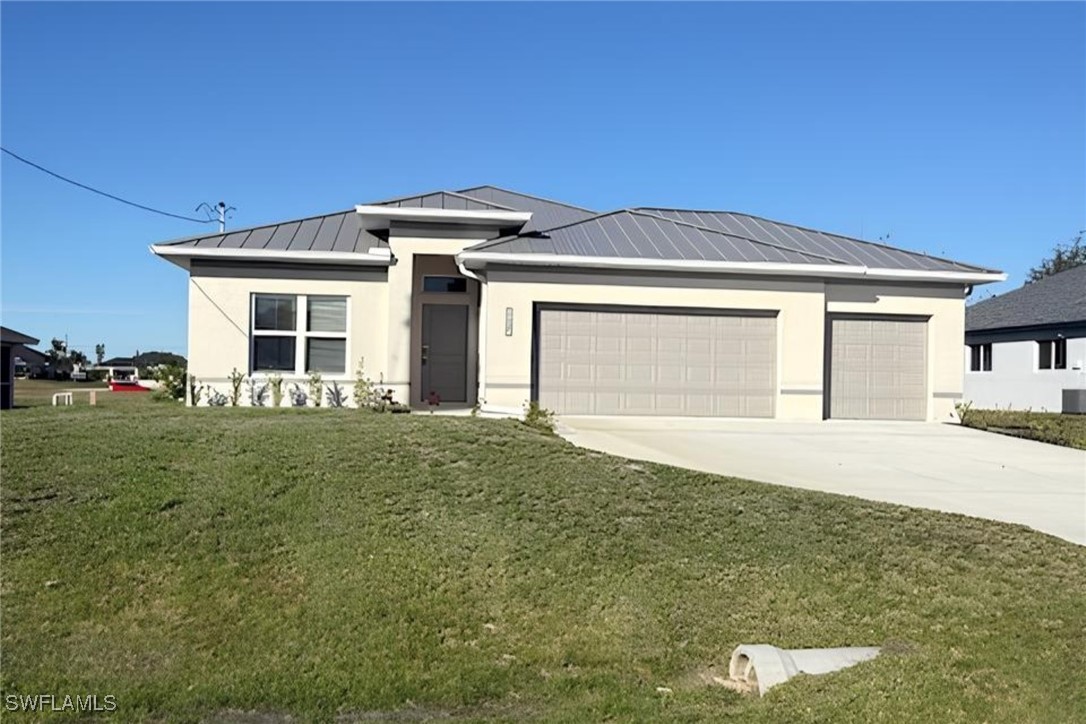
x: 1024, y: 348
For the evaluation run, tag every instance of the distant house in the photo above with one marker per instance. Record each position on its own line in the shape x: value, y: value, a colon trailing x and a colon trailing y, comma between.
x: 119, y: 368
x: 9, y: 340
x: 1023, y: 348
x: 30, y: 362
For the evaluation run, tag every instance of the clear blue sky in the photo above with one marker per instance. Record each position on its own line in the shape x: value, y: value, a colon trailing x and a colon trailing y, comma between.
x: 959, y: 129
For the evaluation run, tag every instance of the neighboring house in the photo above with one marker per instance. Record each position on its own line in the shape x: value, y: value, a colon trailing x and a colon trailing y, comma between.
x: 497, y: 297
x: 9, y: 341
x: 1023, y: 348
x: 30, y: 362
x: 118, y: 368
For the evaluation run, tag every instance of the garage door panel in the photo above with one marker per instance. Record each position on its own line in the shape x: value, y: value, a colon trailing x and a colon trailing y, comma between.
x: 878, y: 369
x: 643, y: 363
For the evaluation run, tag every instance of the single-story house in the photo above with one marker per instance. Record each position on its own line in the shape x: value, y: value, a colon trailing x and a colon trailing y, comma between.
x: 29, y: 362
x: 495, y: 297
x: 118, y: 368
x: 9, y: 340
x: 1025, y: 347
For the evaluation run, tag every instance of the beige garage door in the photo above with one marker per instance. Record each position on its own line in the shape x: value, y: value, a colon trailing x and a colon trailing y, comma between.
x: 643, y: 363
x: 878, y: 369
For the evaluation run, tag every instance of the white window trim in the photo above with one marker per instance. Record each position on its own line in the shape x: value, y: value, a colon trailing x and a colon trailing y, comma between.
x: 300, y: 334
x: 1052, y: 358
x: 991, y: 354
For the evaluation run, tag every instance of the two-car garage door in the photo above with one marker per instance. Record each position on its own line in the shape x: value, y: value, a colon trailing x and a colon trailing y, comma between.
x: 649, y: 362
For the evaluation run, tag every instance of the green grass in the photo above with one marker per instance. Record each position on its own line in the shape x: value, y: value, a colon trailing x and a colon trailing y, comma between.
x: 324, y: 563
x: 1050, y: 427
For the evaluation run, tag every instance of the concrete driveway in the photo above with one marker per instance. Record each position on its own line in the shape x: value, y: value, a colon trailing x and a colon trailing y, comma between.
x: 926, y: 465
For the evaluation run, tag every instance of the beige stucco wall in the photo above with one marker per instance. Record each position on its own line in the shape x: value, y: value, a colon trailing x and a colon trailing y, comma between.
x: 219, y: 318
x: 799, y: 325
x: 801, y: 322
x: 945, y: 307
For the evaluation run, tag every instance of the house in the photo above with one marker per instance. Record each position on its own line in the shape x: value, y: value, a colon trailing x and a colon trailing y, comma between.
x: 497, y: 297
x: 9, y: 341
x: 1025, y: 347
x: 118, y: 368
x: 29, y: 362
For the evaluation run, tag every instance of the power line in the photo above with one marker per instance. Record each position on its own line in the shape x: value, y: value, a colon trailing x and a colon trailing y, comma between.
x: 103, y: 193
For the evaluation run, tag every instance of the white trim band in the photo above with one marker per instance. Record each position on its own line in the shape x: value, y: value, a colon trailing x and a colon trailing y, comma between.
x: 374, y: 257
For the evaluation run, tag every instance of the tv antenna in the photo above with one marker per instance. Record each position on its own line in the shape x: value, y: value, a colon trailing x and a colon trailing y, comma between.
x: 219, y: 210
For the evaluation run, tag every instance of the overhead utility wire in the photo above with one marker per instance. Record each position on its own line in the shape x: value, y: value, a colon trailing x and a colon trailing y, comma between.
x: 103, y: 193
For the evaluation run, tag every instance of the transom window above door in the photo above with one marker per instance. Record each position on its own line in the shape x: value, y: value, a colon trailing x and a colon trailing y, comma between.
x: 444, y: 284
x: 298, y: 334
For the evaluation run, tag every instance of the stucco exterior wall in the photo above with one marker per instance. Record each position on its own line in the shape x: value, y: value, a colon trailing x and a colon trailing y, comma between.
x: 799, y: 325
x: 219, y: 318
x: 802, y: 308
x: 944, y: 306
x: 1015, y: 382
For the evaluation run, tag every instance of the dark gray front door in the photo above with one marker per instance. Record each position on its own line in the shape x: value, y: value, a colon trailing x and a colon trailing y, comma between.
x: 445, y: 352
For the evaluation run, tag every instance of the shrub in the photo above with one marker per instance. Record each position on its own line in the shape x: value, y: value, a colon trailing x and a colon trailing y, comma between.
x: 315, y: 386
x: 257, y: 394
x: 196, y: 392
x: 365, y: 394
x: 275, y: 382
x: 171, y: 380
x: 298, y: 396
x: 336, y: 395
x: 538, y: 417
x: 215, y: 398
x: 236, y: 378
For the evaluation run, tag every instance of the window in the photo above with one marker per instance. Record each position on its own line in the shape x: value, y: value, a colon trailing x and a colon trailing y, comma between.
x: 285, y: 341
x: 1052, y: 354
x: 980, y: 357
x: 444, y: 284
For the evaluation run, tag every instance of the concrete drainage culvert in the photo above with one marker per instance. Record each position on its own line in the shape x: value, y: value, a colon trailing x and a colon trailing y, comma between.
x: 761, y: 666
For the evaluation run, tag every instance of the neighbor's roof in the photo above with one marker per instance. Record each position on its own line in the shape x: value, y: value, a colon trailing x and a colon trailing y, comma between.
x: 10, y: 336
x: 1058, y: 299
x: 339, y: 231
x: 29, y: 354
x: 633, y: 234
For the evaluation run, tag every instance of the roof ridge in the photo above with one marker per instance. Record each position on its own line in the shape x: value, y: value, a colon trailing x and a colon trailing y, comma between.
x: 443, y: 191
x: 740, y: 236
x: 493, y: 242
x: 826, y: 233
x: 1027, y: 286
x: 527, y: 196
x: 251, y: 229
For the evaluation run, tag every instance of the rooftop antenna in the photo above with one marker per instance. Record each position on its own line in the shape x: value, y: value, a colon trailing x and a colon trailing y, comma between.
x: 218, y: 210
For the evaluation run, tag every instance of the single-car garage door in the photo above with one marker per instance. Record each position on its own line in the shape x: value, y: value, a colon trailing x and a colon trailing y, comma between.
x: 657, y: 363
x: 878, y: 369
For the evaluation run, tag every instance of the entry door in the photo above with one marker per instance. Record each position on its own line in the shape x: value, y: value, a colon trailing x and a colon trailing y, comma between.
x: 445, y: 352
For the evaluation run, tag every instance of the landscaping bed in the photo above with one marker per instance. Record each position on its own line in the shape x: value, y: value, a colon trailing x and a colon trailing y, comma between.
x: 257, y: 564
x: 1050, y: 427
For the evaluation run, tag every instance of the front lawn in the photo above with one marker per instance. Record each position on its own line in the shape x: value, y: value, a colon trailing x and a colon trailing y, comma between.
x: 322, y: 563
x: 1051, y: 427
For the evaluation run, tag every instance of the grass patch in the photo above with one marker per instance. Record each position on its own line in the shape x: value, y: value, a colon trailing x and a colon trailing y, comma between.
x: 322, y: 563
x: 1050, y: 427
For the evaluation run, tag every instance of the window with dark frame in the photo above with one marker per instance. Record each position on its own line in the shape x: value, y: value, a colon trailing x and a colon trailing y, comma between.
x: 444, y: 285
x: 980, y: 357
x: 1052, y: 354
x: 284, y: 340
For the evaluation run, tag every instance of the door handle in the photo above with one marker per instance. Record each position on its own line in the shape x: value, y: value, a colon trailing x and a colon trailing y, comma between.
x: 425, y: 353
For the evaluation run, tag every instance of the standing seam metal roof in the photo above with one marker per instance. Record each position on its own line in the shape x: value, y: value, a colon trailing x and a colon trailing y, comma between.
x: 634, y: 234
x: 546, y: 214
x: 340, y: 231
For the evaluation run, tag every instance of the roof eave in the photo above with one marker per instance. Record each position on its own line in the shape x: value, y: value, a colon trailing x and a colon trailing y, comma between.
x: 480, y: 259
x: 182, y: 256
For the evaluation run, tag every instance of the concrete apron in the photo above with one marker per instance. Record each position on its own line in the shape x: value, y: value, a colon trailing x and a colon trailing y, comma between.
x: 927, y: 465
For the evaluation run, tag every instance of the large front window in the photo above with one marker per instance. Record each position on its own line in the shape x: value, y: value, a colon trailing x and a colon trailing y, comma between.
x: 299, y: 334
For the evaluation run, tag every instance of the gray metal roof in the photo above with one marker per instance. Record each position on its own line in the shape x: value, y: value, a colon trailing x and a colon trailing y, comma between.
x: 10, y: 336
x: 340, y: 231
x: 633, y: 234
x: 546, y: 214
x: 1058, y: 299
x: 445, y: 200
x: 841, y: 248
